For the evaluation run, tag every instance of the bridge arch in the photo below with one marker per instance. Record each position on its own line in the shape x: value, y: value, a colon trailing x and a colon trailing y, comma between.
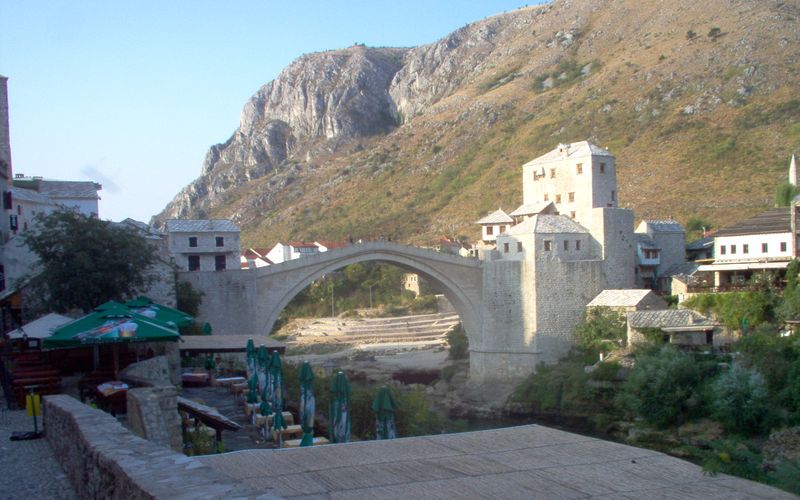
x: 458, y: 278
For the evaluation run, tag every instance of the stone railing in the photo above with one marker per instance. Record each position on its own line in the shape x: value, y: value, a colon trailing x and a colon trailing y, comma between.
x: 104, y: 460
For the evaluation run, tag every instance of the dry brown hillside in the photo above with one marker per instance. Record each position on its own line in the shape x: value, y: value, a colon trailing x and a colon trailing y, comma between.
x: 699, y: 101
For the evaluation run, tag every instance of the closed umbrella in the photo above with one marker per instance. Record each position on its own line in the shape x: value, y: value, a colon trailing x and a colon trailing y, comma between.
x: 250, y: 358
x: 340, y: 409
x: 384, y: 406
x: 276, y: 370
x: 307, y: 404
x: 261, y: 368
x: 252, y: 390
x: 265, y: 409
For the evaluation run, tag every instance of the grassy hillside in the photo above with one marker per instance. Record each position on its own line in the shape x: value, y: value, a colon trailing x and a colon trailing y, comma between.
x: 700, y: 104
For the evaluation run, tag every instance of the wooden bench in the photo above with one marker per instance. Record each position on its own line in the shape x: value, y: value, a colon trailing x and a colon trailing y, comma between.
x: 291, y: 431
x: 295, y: 443
x: 262, y: 421
x: 229, y: 381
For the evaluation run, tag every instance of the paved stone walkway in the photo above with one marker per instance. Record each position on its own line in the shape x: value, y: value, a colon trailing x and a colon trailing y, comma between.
x: 28, y: 469
x: 516, y: 462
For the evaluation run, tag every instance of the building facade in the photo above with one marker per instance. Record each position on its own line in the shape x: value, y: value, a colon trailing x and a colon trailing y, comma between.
x: 204, y: 245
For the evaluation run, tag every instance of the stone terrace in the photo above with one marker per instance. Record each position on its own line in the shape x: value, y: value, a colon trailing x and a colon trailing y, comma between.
x: 516, y: 462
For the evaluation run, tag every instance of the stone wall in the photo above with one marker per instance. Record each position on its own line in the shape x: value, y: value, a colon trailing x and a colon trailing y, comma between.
x: 104, y: 460
x: 153, y: 415
x: 162, y: 369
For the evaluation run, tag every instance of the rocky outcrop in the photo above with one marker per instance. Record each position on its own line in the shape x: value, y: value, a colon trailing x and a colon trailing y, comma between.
x: 317, y: 103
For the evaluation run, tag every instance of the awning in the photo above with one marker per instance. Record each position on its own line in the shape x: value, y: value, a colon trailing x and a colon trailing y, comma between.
x: 744, y: 266
x: 40, y: 328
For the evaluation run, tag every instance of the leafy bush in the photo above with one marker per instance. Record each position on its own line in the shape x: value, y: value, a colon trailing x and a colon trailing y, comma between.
x: 601, y: 329
x: 188, y: 299
x: 733, y: 307
x: 458, y: 342
x: 740, y: 400
x: 556, y: 388
x: 784, y: 194
x: 663, y: 386
x: 424, y: 303
x: 736, y: 457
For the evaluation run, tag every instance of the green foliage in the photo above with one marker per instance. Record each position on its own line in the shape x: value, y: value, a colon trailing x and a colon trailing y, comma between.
x: 740, y: 400
x: 601, y: 329
x: 188, y: 298
x: 663, y: 386
x: 714, y: 33
x: 566, y: 73
x: 792, y: 272
x: 757, y: 116
x: 784, y: 194
x: 690, y: 35
x: 777, y: 358
x: 564, y: 387
x: 731, y: 308
x: 424, y: 304
x: 695, y: 227
x: 198, y: 442
x: 86, y: 261
x: 734, y: 456
x: 415, y: 416
x: 193, y: 328
x: 458, y: 342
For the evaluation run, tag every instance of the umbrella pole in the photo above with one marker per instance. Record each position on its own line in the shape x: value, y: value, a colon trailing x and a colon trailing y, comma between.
x: 116, y: 361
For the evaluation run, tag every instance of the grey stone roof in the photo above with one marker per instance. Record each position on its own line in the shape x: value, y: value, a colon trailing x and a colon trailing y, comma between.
x: 70, y: 189
x: 664, y: 226
x: 546, y: 223
x: 682, y: 269
x: 668, y: 318
x: 575, y: 149
x: 701, y: 244
x: 532, y: 209
x: 496, y: 217
x: 619, y: 298
x: 201, y: 226
x: 777, y: 220
x: 29, y: 195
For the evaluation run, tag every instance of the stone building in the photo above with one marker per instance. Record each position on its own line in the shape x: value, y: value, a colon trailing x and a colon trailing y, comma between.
x: 5, y: 178
x: 204, y: 245
x: 545, y: 269
x: 660, y: 246
x: 625, y: 301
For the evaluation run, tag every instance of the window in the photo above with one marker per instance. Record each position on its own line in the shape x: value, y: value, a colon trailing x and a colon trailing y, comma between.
x: 193, y: 241
x: 566, y: 245
x: 764, y: 248
x: 579, y: 168
x: 783, y: 246
x: 548, y: 245
x: 489, y: 230
x: 602, y: 168
x: 502, y: 229
x: 194, y: 262
x: 571, y: 197
x: 12, y: 221
x: 722, y: 250
x: 572, y: 214
x: 552, y: 173
x: 220, y: 241
x: 519, y: 246
x: 558, y: 198
x: 19, y: 209
x: 613, y: 195
x: 733, y: 249
x: 577, y: 244
x: 546, y: 197
x: 219, y: 262
x: 505, y: 247
x: 745, y: 248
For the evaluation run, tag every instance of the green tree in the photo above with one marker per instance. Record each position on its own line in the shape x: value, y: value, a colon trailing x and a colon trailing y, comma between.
x: 663, y: 386
x: 784, y: 194
x: 602, y: 329
x: 740, y: 400
x: 188, y: 299
x: 85, y: 261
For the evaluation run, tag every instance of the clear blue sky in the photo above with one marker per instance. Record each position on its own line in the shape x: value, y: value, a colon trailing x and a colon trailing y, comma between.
x: 132, y: 94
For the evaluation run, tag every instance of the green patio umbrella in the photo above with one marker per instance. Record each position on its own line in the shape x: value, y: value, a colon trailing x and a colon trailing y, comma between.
x: 147, y: 307
x: 307, y: 403
x: 384, y: 406
x: 276, y: 371
x: 252, y: 390
x: 262, y: 360
x: 265, y: 409
x: 111, y: 324
x: 250, y: 357
x: 339, y: 418
x: 207, y: 328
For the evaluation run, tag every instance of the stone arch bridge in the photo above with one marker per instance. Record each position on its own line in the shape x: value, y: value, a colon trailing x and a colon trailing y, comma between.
x: 250, y: 300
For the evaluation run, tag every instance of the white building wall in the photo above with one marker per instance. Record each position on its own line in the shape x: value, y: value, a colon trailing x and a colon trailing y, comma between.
x: 754, y: 244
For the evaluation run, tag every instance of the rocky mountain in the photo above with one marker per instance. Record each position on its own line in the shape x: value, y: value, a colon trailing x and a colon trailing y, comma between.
x: 698, y: 102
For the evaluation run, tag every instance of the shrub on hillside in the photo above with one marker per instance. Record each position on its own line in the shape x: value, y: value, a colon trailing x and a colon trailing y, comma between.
x: 740, y: 400
x: 663, y: 387
x: 458, y: 342
x: 601, y: 330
